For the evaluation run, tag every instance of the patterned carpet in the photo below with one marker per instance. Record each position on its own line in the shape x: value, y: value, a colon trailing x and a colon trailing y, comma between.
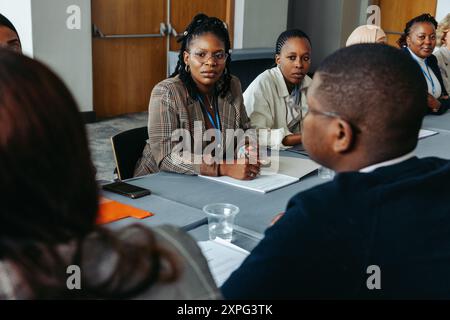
x: 99, y: 134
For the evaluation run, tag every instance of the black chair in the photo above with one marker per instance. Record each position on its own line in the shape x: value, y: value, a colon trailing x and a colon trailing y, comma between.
x: 248, y: 70
x: 127, y: 148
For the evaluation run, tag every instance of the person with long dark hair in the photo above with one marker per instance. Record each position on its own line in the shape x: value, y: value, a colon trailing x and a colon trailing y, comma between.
x: 276, y: 99
x: 9, y: 38
x: 200, y: 96
x: 419, y: 40
x: 49, y: 203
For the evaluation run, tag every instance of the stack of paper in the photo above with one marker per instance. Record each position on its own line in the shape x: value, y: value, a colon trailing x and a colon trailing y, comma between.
x: 283, y: 171
x: 223, y: 258
x: 426, y: 133
x: 265, y: 182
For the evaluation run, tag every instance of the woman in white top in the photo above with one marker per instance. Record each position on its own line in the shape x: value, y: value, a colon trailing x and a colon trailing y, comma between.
x: 276, y: 99
x: 443, y: 54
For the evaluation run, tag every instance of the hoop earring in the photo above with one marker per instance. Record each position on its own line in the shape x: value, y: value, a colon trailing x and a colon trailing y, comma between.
x: 187, y: 68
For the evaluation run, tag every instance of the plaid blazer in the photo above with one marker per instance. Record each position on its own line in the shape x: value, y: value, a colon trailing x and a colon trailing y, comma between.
x: 172, y: 108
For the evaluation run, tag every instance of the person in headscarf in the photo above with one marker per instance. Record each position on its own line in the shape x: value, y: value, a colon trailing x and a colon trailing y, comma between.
x: 366, y: 34
x: 9, y: 38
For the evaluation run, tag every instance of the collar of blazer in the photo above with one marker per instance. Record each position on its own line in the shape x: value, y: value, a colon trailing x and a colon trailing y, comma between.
x: 281, y: 86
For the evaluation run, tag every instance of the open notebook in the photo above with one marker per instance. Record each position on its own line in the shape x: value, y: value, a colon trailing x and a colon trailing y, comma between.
x: 282, y: 172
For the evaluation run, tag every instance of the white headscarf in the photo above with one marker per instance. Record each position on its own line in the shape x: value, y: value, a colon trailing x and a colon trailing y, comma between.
x: 365, y: 34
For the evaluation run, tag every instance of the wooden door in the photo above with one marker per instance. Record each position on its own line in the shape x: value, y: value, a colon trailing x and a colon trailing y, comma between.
x: 182, y: 12
x: 396, y: 13
x: 126, y: 69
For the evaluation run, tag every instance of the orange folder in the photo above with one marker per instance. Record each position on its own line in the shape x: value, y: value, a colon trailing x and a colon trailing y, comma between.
x: 111, y: 210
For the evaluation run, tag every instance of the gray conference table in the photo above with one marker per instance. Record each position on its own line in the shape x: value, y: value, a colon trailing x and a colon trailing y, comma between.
x: 436, y: 146
x: 165, y: 211
x: 178, y: 199
x: 256, y: 209
x: 439, y: 123
x: 241, y: 239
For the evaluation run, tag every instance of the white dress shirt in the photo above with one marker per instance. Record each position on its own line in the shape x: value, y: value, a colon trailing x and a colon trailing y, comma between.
x: 387, y: 163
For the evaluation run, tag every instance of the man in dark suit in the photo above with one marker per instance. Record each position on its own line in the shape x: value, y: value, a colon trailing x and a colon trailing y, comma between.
x: 381, y: 228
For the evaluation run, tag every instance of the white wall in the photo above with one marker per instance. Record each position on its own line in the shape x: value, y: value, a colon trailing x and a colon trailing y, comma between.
x: 328, y: 23
x: 19, y: 13
x: 352, y: 16
x: 443, y: 8
x: 239, y: 8
x: 67, y: 52
x: 259, y: 22
x: 322, y: 21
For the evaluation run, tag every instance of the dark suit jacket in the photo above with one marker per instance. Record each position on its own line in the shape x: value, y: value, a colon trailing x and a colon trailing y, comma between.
x: 397, y: 218
x: 433, y: 64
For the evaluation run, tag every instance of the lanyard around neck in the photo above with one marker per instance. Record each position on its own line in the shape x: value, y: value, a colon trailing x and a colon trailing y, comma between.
x: 216, y: 123
x: 427, y: 74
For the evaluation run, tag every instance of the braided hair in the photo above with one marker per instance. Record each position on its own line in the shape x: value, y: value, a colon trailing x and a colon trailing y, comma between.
x: 426, y: 17
x: 200, y: 25
x: 288, y: 34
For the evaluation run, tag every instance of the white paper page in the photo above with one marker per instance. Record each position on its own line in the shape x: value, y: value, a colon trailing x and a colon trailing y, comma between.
x: 223, y: 258
x: 294, y: 167
x: 265, y: 182
x: 426, y: 133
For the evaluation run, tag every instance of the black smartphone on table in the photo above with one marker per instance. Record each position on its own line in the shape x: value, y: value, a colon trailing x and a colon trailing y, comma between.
x: 126, y: 189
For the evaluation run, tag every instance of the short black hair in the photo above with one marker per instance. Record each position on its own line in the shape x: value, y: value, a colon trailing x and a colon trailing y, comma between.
x: 199, y: 25
x: 426, y: 17
x: 378, y: 88
x: 288, y: 34
x: 6, y: 23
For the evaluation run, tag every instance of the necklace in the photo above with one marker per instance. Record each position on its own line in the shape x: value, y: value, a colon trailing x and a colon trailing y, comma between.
x: 208, y: 100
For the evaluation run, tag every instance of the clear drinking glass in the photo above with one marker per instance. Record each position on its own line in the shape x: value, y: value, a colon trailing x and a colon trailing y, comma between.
x: 221, y: 220
x: 325, y: 173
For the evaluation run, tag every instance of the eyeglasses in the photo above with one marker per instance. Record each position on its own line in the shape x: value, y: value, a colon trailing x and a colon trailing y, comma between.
x: 334, y: 114
x: 202, y: 57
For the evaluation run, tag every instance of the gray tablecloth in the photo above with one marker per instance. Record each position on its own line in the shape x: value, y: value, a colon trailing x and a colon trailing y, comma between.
x: 178, y: 199
x: 441, y: 122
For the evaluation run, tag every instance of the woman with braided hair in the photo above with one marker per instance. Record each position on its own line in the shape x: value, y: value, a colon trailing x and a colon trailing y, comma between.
x: 276, y: 99
x: 200, y: 96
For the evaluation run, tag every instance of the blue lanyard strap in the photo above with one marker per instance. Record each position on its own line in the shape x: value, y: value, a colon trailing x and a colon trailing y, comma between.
x: 427, y: 75
x: 216, y: 124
